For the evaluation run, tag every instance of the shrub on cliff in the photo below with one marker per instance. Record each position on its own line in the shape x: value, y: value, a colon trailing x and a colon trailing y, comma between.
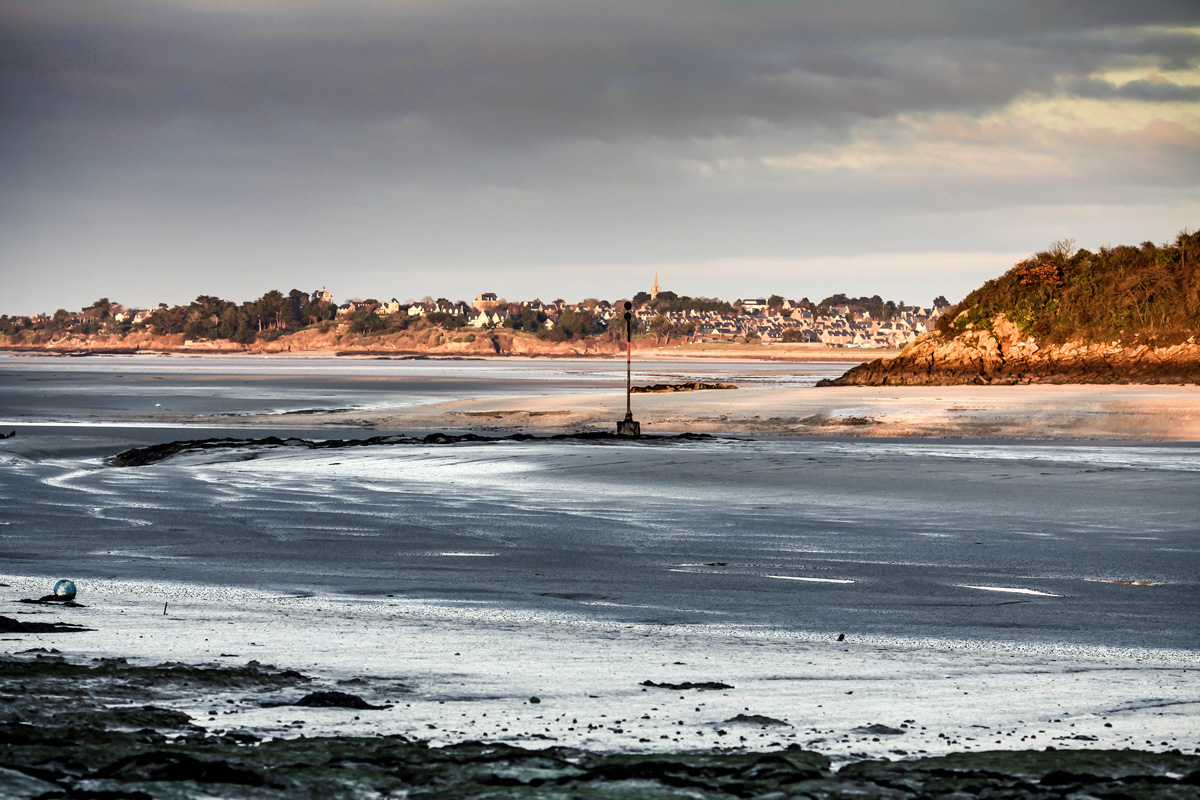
x: 1148, y: 294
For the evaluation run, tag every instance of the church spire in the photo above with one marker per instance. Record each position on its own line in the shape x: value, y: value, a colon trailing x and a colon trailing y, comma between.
x: 654, y: 290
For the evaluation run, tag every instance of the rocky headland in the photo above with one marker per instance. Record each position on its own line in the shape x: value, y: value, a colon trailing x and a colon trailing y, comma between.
x: 1120, y: 315
x: 1002, y: 355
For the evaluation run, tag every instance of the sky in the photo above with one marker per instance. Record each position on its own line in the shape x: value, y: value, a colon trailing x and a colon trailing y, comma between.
x: 157, y: 150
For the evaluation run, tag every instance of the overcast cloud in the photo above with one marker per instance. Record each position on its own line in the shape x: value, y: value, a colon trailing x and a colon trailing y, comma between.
x: 154, y: 151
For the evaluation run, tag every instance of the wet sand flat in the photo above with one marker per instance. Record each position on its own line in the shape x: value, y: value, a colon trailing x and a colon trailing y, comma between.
x: 1162, y: 413
x: 997, y: 585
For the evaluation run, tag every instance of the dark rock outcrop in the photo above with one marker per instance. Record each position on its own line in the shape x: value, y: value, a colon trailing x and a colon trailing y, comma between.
x: 143, y: 456
x: 337, y: 700
x: 756, y: 719
x: 695, y: 386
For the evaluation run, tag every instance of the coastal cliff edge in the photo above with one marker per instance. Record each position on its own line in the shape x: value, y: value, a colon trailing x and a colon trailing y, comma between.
x: 1001, y: 355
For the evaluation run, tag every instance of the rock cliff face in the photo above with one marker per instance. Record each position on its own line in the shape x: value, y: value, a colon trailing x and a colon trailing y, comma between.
x: 1002, y: 356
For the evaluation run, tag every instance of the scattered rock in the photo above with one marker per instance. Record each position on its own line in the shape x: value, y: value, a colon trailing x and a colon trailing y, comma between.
x: 94, y: 762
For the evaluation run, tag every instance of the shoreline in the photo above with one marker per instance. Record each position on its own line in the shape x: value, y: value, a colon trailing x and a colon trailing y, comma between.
x: 206, y: 696
x: 779, y: 353
x: 1155, y: 413
x: 521, y: 394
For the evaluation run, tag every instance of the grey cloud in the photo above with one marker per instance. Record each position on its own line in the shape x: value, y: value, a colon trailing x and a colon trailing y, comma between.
x: 1174, y: 50
x: 294, y: 135
x: 1133, y: 90
x: 507, y: 74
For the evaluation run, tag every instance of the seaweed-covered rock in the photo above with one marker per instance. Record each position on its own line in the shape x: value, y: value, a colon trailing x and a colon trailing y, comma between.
x: 755, y: 719
x: 159, y: 766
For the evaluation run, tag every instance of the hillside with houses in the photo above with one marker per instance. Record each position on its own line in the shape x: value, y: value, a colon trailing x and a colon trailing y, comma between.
x: 490, y: 324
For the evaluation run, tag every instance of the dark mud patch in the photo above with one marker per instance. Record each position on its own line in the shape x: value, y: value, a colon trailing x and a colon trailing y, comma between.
x: 51, y: 600
x: 820, y: 420
x: 679, y: 687
x: 10, y: 625
x: 142, y: 456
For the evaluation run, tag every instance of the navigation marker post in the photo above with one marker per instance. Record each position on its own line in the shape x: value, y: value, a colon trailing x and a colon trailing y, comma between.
x: 629, y: 426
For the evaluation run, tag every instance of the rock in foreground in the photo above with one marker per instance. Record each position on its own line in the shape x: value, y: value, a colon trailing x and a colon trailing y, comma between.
x: 63, y: 737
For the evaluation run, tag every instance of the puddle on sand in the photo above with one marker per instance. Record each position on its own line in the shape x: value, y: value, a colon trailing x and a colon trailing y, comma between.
x: 1008, y: 589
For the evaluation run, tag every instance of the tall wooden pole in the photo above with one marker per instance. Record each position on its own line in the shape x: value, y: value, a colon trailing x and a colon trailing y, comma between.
x: 628, y: 365
x: 629, y: 426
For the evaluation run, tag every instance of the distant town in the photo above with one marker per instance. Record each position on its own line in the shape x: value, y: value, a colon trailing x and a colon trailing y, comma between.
x: 836, y: 321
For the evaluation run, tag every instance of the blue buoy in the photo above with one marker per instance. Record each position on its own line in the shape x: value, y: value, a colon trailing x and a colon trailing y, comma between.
x: 64, y: 590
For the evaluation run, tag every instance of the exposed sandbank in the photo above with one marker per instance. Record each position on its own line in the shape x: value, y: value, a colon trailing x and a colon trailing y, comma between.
x: 1157, y: 413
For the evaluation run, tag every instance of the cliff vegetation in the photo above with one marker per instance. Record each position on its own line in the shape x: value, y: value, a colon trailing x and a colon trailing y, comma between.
x: 1120, y: 315
x: 1148, y: 294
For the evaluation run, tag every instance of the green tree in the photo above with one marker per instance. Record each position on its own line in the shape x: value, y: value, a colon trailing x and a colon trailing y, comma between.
x: 573, y: 325
x: 662, y: 328
x: 365, y: 322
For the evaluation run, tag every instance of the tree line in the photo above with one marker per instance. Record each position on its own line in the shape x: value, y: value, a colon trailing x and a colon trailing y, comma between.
x: 1149, y: 293
x: 276, y: 314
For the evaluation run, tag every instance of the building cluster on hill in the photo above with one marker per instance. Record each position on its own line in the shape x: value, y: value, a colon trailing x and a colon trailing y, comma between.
x: 837, y: 322
x: 842, y: 325
x: 751, y: 319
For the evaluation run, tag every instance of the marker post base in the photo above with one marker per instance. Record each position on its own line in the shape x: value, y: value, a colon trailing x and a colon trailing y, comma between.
x: 629, y: 426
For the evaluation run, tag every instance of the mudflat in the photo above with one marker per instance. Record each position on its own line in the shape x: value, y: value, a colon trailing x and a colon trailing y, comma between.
x: 685, y: 607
